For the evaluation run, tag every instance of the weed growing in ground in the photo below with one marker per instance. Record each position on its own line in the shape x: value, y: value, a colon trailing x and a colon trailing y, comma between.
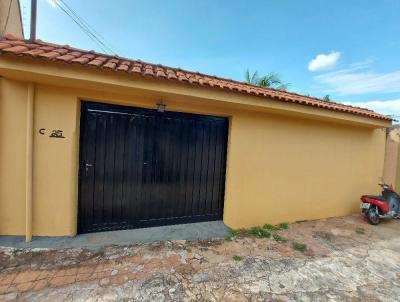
x: 237, y: 258
x: 270, y: 227
x: 360, y: 231
x: 283, y: 226
x: 301, y: 247
x: 259, y: 232
x: 279, y: 238
x: 264, y: 232
x: 278, y: 227
x: 233, y: 232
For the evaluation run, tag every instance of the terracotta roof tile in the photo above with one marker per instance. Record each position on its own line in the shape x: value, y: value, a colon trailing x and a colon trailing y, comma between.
x: 50, y: 55
x: 160, y: 72
x: 31, y: 45
x: 4, y: 44
x: 34, y: 52
x: 46, y: 48
x: 76, y: 54
x: 96, y: 62
x: 16, y: 41
x: 124, y: 66
x: 61, y: 51
x: 64, y: 53
x: 137, y: 67
x: 66, y: 58
x: 110, y: 64
x: 171, y: 74
x: 81, y: 60
x: 17, y: 49
x: 89, y: 56
x: 148, y: 70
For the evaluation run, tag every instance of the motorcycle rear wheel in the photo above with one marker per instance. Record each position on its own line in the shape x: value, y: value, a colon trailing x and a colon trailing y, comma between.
x: 373, y: 216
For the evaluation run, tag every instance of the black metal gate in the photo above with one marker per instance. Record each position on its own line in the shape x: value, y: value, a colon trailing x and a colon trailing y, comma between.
x: 140, y: 167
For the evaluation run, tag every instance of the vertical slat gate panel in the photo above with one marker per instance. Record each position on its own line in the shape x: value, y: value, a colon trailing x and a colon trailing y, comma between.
x: 211, y: 167
x: 109, y: 167
x: 149, y: 168
x: 98, y: 200
x: 87, y: 174
x: 128, y: 171
x: 197, y: 168
x: 176, y: 168
x: 184, y: 167
x: 190, y: 189
x: 118, y: 171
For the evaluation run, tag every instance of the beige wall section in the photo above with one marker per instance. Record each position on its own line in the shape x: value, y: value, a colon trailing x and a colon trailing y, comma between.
x: 397, y: 186
x: 10, y: 18
x: 286, y: 169
x: 391, y: 156
x: 13, y: 96
x: 55, y: 173
x: 280, y: 168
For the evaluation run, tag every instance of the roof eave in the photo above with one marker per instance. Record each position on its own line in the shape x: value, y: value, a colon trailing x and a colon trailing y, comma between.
x: 74, y: 75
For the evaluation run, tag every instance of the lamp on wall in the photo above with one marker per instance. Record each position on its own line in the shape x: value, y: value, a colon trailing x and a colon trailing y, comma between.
x: 161, y: 106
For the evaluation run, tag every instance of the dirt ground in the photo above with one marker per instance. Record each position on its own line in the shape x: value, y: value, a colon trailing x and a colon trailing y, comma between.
x: 338, y: 259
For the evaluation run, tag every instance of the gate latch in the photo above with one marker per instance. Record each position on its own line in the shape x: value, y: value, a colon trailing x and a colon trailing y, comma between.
x: 87, y: 166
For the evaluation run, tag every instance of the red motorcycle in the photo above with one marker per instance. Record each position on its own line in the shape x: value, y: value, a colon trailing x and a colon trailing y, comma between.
x: 385, y: 206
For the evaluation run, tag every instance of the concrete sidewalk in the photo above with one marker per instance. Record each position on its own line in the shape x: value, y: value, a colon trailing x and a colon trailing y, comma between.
x: 191, y: 231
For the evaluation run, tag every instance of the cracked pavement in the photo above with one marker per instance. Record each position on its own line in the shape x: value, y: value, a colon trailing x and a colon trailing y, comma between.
x: 339, y: 264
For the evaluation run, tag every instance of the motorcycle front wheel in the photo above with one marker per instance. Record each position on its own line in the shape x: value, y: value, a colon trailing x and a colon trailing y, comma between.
x: 373, y: 216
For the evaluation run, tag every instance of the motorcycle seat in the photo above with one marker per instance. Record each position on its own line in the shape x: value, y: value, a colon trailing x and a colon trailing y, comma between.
x: 376, y: 197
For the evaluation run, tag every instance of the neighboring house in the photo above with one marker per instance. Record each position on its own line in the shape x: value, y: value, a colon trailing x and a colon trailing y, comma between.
x: 10, y: 18
x: 91, y: 142
x: 391, y: 169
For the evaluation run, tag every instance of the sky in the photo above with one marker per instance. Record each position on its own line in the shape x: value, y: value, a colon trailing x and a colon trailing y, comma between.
x: 347, y: 49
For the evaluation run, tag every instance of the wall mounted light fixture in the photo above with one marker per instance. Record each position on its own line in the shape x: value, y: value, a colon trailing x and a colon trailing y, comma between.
x: 161, y: 106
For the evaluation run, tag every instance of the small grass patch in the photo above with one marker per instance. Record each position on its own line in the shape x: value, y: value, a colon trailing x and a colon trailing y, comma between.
x: 279, y: 238
x: 360, y: 231
x: 237, y: 258
x: 233, y: 232
x: 228, y: 238
x: 259, y: 232
x: 278, y: 227
x: 283, y: 226
x: 270, y: 227
x: 301, y: 247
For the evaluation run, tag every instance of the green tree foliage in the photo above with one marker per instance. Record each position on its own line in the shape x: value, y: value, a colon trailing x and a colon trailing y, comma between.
x: 327, y: 98
x: 270, y: 80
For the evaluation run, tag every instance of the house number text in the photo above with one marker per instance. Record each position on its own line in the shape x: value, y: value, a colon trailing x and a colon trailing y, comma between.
x: 54, y: 133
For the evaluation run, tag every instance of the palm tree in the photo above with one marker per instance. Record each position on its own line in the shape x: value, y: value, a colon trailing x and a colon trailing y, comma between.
x: 271, y: 80
x: 327, y: 98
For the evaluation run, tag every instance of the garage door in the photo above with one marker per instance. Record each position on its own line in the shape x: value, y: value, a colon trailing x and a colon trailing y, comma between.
x: 140, y: 167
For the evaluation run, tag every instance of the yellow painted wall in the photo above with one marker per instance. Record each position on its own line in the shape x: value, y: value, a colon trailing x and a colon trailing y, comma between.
x: 280, y: 167
x: 392, y: 149
x: 55, y: 162
x: 285, y: 169
x: 10, y: 18
x: 13, y: 96
x: 397, y: 186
